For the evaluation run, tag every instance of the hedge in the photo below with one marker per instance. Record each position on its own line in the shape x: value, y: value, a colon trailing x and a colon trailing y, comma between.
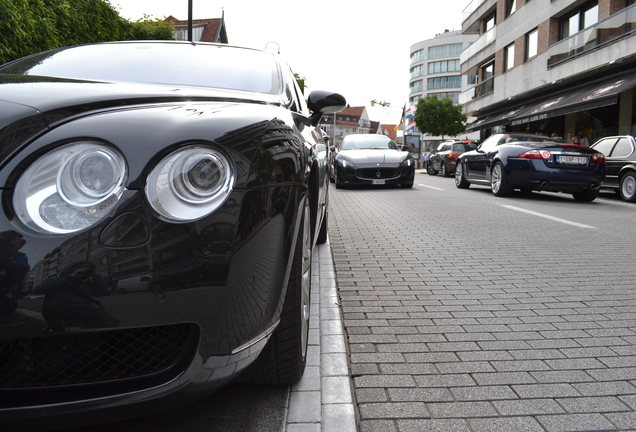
x: 31, y: 26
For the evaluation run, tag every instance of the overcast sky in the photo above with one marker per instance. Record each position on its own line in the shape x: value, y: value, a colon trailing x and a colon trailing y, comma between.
x: 357, y: 48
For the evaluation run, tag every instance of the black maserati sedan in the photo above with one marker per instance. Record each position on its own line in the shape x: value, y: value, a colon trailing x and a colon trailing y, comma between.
x: 370, y: 159
x: 529, y: 162
x: 188, y: 173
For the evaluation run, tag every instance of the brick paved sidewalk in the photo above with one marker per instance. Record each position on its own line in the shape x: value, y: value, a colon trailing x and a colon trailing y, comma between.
x: 438, y: 342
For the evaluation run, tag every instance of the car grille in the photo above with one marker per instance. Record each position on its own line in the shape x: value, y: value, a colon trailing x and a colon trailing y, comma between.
x: 377, y: 173
x: 96, y: 357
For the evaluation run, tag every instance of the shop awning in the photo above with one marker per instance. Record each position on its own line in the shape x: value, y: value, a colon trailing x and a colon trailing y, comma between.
x: 591, y: 95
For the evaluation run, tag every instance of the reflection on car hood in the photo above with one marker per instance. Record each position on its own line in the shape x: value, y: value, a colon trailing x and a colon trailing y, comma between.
x: 45, y: 93
x: 373, y: 156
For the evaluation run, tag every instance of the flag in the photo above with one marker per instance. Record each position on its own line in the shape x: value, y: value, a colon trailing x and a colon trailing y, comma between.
x: 410, y: 113
x: 397, y: 126
x: 410, y: 126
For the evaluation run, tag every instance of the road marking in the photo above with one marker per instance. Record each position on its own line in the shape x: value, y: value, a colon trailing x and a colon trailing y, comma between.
x: 609, y: 201
x: 556, y: 219
x: 430, y: 187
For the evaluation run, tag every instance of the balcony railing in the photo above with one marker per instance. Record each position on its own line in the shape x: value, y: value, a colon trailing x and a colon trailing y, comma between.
x: 614, y: 27
x: 417, y: 88
x: 479, y: 90
x: 472, y: 7
x: 481, y: 43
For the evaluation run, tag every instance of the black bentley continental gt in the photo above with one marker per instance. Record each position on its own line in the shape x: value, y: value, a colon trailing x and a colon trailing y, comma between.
x: 370, y: 159
x: 160, y: 204
x: 528, y: 162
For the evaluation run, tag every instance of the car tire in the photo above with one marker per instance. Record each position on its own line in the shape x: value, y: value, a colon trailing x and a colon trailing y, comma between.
x: 498, y: 182
x: 283, y: 360
x: 587, y: 195
x: 628, y: 187
x: 460, y: 179
x: 430, y: 170
x: 445, y: 172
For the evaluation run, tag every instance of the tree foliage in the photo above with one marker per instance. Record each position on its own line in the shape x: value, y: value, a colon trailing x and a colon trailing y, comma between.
x: 439, y: 117
x: 31, y: 26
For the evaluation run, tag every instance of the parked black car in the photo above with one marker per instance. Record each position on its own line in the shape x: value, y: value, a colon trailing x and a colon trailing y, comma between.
x: 444, y: 158
x: 369, y: 159
x: 528, y: 162
x: 620, y: 156
x: 132, y: 161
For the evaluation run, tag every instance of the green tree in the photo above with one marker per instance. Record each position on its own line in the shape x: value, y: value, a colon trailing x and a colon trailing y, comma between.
x: 31, y: 26
x: 301, y: 82
x: 439, y: 117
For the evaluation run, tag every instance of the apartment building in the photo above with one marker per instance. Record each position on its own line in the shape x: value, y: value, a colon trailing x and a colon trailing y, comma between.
x: 435, y: 66
x: 565, y: 67
x: 435, y: 69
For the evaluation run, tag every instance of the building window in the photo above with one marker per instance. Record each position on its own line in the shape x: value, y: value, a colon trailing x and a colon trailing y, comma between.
x: 489, y: 22
x: 511, y: 7
x: 509, y: 57
x: 578, y: 19
x: 416, y: 71
x: 444, y: 51
x: 444, y: 67
x: 444, y: 82
x: 532, y: 44
x: 454, y: 96
x: 416, y: 56
x: 471, y: 79
x: 488, y: 71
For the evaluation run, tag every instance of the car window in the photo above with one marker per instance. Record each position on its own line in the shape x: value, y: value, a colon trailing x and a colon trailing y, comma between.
x: 367, y: 142
x: 605, y: 146
x: 189, y: 64
x: 460, y: 147
x: 623, y: 148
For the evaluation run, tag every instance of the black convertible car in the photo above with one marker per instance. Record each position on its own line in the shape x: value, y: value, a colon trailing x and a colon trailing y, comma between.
x: 192, y: 173
x: 528, y: 162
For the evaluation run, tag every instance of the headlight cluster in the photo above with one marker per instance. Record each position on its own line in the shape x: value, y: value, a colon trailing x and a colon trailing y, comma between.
x: 77, y: 185
x: 344, y: 163
x: 70, y: 188
x: 189, y: 183
x: 407, y: 162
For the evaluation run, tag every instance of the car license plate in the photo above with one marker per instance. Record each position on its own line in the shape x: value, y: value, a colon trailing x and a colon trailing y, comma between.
x: 378, y: 182
x: 577, y: 160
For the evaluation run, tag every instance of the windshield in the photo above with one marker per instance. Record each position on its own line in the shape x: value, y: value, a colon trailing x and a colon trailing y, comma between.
x: 368, y: 142
x: 157, y: 62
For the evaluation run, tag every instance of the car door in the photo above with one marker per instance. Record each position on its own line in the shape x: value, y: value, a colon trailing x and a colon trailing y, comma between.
x: 479, y: 162
x: 622, y: 154
x: 613, y: 166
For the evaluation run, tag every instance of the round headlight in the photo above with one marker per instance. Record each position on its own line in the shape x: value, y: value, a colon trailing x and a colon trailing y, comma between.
x: 70, y: 188
x: 190, y: 183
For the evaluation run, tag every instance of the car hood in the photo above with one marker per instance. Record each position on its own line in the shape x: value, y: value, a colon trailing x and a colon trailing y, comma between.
x: 363, y: 157
x: 46, y: 94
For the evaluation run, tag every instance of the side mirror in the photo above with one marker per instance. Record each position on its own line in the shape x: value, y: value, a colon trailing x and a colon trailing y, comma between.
x: 321, y: 102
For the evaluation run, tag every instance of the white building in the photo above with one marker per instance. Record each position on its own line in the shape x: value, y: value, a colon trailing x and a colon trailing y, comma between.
x: 351, y: 120
x: 436, y: 69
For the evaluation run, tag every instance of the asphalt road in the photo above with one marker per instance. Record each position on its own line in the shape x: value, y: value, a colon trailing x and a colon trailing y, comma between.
x: 467, y: 312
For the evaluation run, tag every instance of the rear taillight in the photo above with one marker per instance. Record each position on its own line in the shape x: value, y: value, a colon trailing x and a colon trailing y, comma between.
x: 453, y: 155
x: 598, y: 157
x: 536, y: 154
